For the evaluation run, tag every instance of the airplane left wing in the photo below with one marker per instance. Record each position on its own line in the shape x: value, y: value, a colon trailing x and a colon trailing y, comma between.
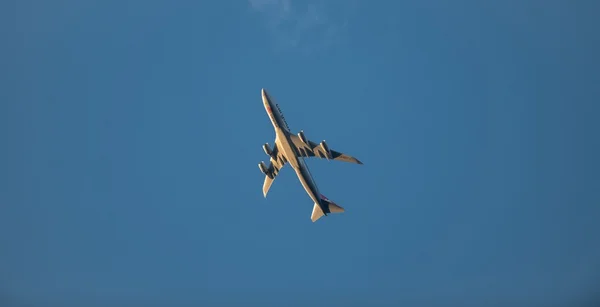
x: 277, y: 161
x: 308, y: 148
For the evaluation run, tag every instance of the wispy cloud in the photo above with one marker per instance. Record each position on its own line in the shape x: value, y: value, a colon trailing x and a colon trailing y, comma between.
x: 304, y: 25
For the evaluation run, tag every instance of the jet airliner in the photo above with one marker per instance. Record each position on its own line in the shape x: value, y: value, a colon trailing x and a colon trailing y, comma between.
x: 291, y: 149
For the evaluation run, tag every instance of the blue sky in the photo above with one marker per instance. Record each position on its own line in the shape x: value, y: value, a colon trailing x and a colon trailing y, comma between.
x: 132, y: 132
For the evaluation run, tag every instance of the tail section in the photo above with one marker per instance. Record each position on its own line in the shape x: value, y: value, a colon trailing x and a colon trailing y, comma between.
x: 327, y: 205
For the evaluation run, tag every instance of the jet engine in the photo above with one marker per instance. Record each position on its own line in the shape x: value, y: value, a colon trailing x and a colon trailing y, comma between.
x: 302, y: 137
x: 267, y: 149
x: 262, y: 167
x: 325, y: 149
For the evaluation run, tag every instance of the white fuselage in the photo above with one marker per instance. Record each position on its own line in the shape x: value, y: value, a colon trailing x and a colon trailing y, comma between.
x: 282, y: 132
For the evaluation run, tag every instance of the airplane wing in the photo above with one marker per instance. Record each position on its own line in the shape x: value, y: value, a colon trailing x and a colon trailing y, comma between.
x: 319, y: 150
x: 277, y: 161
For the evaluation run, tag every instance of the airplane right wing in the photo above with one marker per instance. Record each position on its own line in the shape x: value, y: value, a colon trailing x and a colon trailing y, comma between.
x: 276, y: 162
x: 308, y: 148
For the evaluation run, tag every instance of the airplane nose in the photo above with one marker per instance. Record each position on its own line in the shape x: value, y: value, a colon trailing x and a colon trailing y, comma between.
x: 265, y: 96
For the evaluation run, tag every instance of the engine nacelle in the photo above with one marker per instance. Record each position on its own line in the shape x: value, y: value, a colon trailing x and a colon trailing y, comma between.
x: 325, y: 149
x: 302, y: 137
x: 262, y: 167
x: 267, y: 149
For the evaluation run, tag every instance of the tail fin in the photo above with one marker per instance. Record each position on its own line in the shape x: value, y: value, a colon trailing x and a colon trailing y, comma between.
x: 329, y: 206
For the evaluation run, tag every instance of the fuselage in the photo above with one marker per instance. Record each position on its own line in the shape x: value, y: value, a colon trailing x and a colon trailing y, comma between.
x: 282, y: 139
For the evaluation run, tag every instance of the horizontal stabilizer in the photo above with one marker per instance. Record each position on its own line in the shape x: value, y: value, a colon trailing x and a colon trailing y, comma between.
x: 335, y: 208
x: 317, y: 213
x: 332, y: 207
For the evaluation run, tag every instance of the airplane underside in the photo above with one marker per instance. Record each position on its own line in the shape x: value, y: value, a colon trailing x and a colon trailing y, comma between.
x: 291, y: 149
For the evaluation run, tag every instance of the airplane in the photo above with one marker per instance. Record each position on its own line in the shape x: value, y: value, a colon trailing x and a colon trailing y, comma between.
x: 291, y: 149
